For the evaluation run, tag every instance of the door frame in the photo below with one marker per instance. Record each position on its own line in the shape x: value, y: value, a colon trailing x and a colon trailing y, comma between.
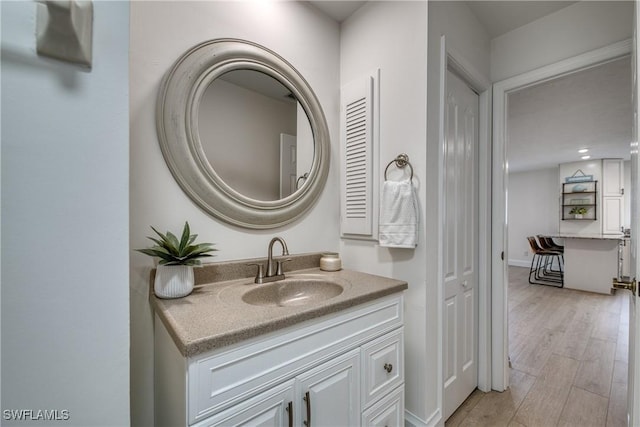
x: 633, y: 396
x: 501, y: 89
x: 453, y: 61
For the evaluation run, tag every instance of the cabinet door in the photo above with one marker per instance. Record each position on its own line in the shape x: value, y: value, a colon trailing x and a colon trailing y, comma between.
x: 612, y: 177
x: 273, y: 408
x: 330, y: 394
x: 626, y: 257
x: 612, y: 209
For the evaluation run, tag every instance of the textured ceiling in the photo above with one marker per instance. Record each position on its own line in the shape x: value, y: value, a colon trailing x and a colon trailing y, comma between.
x: 500, y: 17
x: 549, y: 122
x: 338, y: 10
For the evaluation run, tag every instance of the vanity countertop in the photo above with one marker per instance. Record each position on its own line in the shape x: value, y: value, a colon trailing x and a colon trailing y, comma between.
x: 591, y: 236
x: 214, y: 316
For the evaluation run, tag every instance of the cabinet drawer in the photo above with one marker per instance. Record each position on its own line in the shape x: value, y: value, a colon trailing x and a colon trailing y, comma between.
x: 220, y: 379
x: 383, y: 366
x: 389, y: 412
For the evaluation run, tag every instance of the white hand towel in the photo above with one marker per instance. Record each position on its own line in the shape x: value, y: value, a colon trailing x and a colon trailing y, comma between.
x: 398, y: 215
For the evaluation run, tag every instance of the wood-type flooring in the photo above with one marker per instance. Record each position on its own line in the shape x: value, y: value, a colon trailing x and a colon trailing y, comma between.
x: 568, y: 352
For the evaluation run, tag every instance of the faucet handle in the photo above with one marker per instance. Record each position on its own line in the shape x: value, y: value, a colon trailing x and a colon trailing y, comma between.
x: 279, y: 265
x: 259, y: 273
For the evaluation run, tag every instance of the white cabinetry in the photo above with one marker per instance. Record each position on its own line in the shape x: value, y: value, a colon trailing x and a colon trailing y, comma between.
x: 612, y: 196
x: 272, y: 408
x: 331, y: 393
x: 389, y: 412
x: 612, y: 177
x: 325, y: 396
x: 625, y: 257
x: 340, y: 369
x: 382, y: 366
x: 612, y: 211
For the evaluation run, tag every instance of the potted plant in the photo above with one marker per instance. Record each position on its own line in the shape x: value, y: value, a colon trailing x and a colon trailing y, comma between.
x: 174, y: 274
x: 578, y: 211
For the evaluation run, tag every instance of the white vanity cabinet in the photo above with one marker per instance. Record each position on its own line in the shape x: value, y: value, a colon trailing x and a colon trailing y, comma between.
x: 325, y: 396
x: 345, y: 368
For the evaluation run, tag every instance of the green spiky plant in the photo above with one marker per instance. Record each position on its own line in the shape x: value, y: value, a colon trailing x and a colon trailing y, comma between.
x: 172, y: 251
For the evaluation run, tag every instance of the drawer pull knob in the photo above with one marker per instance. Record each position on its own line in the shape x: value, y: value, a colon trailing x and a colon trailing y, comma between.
x: 388, y: 367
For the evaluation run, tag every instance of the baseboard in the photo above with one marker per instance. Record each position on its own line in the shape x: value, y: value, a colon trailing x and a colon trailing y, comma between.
x: 411, y: 420
x: 519, y: 263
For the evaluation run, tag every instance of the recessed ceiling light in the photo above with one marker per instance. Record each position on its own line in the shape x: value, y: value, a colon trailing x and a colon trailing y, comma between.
x: 583, y: 150
x: 586, y: 157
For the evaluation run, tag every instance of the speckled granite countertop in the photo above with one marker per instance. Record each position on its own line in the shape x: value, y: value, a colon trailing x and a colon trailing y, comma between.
x: 591, y: 236
x: 214, y: 315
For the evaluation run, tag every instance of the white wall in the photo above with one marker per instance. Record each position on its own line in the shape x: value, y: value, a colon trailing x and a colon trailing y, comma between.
x: 65, y: 299
x: 160, y: 33
x: 579, y: 28
x: 392, y: 36
x: 533, y: 208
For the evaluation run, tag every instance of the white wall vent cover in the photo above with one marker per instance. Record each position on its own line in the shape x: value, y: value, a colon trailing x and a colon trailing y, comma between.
x: 358, y: 218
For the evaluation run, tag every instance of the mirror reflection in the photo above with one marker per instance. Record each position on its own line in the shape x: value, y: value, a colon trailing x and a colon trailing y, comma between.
x: 255, y: 134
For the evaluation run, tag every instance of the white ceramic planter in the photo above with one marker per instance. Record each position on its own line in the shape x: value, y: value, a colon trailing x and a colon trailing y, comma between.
x: 173, y: 281
x: 578, y: 216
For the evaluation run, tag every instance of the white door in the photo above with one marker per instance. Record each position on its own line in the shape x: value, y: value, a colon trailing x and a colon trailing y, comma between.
x: 633, y: 404
x: 288, y: 164
x: 460, y: 254
x: 330, y: 393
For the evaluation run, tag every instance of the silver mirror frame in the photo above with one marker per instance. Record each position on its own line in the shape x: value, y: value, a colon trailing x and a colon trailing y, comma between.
x: 177, y: 124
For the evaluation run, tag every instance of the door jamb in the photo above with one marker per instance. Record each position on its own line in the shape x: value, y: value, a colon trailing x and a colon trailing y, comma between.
x: 499, y: 337
x: 452, y: 60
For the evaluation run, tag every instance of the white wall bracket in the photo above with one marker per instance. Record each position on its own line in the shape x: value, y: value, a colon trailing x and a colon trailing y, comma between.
x: 65, y: 30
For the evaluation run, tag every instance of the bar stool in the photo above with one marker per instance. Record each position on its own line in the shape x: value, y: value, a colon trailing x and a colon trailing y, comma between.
x: 548, y: 244
x: 542, y: 271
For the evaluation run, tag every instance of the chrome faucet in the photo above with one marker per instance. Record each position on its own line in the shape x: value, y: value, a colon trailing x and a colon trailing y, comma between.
x: 271, y: 275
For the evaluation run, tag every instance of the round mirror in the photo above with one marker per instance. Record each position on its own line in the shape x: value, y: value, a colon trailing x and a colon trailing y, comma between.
x: 243, y: 133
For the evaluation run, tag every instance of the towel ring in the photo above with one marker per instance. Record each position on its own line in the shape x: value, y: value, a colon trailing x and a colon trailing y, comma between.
x: 401, y: 161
